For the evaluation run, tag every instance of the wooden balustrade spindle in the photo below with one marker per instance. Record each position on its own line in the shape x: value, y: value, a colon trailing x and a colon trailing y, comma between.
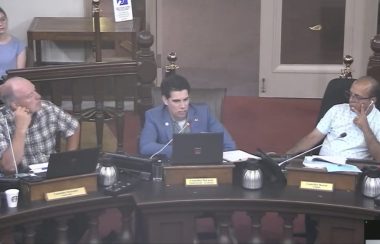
x: 288, y: 227
x: 225, y: 234
x: 119, y: 112
x: 30, y: 232
x: 126, y: 234
x: 256, y: 227
x: 99, y: 110
x: 62, y: 228
x: 93, y: 227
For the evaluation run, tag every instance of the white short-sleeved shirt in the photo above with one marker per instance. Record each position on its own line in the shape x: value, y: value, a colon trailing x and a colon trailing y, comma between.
x: 338, y: 120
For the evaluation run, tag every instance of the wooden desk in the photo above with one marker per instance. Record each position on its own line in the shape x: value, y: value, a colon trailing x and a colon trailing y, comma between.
x: 296, y: 172
x: 76, y: 29
x: 94, y: 204
x: 168, y: 214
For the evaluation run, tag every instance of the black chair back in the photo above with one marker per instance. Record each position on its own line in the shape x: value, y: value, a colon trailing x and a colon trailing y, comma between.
x: 334, y: 94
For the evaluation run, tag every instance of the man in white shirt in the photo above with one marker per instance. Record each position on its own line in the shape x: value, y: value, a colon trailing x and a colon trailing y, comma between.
x: 359, y: 120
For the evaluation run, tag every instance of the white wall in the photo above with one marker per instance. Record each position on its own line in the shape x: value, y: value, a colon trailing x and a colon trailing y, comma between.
x: 217, y: 41
x: 21, y: 13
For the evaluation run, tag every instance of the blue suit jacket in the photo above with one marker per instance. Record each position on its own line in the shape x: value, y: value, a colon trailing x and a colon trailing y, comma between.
x: 158, y: 128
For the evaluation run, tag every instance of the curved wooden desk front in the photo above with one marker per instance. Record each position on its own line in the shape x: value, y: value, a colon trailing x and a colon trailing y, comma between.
x: 340, y: 214
x: 168, y: 213
x: 29, y: 216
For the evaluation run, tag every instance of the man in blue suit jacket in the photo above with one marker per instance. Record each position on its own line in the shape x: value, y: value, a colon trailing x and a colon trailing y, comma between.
x: 177, y: 115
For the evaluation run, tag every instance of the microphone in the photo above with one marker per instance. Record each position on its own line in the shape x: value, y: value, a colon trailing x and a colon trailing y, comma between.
x: 369, y: 106
x: 11, y: 146
x: 344, y: 134
x: 170, y: 141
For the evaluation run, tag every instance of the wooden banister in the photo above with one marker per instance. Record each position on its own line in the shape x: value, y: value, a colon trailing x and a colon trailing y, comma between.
x: 98, y: 82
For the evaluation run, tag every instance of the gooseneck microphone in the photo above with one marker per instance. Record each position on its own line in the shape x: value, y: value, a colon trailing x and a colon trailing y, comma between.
x: 11, y: 146
x: 344, y: 134
x: 170, y: 141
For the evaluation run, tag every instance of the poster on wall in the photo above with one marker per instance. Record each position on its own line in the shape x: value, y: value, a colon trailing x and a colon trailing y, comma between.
x: 122, y: 10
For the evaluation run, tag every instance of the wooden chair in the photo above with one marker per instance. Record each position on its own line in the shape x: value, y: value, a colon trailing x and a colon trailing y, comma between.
x: 334, y: 94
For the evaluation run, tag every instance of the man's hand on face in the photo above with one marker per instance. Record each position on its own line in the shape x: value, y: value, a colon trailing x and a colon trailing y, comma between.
x: 23, y: 117
x: 361, y: 118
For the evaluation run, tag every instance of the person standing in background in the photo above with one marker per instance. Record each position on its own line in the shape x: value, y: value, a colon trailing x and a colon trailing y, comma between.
x: 12, y: 50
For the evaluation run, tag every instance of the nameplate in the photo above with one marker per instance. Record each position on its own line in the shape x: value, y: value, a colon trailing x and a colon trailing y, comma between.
x: 318, y: 186
x: 74, y: 192
x: 201, y: 182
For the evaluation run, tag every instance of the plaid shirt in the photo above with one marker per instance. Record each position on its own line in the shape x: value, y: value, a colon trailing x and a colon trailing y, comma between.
x: 41, y: 136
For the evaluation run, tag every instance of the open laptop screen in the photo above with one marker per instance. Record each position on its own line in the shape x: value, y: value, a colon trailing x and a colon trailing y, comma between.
x: 197, y: 148
x: 72, y: 163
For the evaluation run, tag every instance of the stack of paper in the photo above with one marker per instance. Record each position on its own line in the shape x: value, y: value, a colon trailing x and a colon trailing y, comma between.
x: 328, y: 159
x: 38, y: 168
x: 238, y: 156
x: 331, y: 163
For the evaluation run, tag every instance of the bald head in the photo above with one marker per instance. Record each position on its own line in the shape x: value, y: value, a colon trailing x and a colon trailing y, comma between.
x: 12, y: 88
x: 363, y: 94
x: 369, y: 85
x: 20, y: 92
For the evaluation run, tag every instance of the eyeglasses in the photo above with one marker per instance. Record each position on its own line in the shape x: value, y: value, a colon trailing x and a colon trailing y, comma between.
x: 349, y: 95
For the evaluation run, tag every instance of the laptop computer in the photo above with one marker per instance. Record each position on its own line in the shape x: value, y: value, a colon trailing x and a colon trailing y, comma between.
x: 197, y: 148
x: 70, y: 163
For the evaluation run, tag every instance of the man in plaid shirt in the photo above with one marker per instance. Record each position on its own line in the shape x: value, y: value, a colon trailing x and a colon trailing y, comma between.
x: 32, y: 125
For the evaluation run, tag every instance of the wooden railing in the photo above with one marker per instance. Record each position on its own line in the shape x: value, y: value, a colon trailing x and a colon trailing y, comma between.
x: 99, y: 82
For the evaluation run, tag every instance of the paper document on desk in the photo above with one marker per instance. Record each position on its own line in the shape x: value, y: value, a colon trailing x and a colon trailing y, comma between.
x: 38, y: 168
x: 330, y: 163
x: 238, y: 156
x: 330, y: 159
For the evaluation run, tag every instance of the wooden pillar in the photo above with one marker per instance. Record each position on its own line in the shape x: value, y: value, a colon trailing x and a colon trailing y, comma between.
x: 373, y: 68
x: 146, y: 72
x: 98, y: 37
